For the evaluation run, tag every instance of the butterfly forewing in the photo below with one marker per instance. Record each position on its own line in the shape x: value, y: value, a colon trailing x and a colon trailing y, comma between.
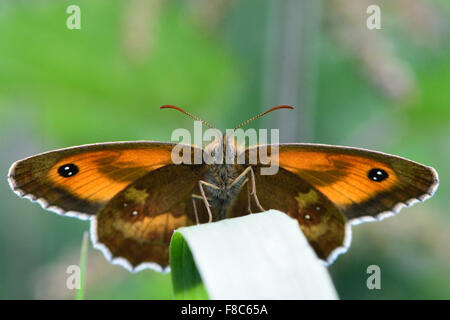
x: 83, y: 179
x: 361, y: 183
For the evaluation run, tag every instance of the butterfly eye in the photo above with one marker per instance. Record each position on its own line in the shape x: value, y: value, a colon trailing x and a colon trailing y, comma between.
x: 377, y: 175
x: 68, y: 170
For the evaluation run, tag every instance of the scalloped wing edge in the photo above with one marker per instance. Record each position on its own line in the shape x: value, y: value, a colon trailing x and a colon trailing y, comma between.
x: 120, y: 260
x: 41, y: 201
x: 381, y: 216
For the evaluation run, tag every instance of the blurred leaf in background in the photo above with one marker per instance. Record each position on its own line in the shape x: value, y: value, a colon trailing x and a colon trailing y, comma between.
x: 225, y: 61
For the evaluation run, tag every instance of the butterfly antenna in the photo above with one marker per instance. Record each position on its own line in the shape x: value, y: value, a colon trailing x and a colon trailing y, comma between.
x: 187, y: 113
x: 260, y: 115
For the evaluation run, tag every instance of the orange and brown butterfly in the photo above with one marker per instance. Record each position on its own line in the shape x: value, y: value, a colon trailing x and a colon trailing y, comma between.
x: 136, y: 196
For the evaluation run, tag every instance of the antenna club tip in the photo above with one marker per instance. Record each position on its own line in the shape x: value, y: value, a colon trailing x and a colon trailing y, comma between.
x: 285, y: 106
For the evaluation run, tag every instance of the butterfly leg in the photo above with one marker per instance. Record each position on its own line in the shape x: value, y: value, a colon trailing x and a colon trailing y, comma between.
x: 202, y: 183
x: 195, y: 209
x: 196, y: 196
x: 248, y: 196
x: 249, y: 170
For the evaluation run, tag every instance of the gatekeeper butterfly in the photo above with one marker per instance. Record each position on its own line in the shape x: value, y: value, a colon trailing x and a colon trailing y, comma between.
x: 136, y: 196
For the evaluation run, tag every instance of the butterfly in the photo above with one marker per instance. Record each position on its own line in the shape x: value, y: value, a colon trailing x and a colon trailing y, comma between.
x: 135, y: 195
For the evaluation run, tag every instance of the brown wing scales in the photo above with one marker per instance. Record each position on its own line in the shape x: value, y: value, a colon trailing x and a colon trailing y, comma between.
x: 322, y: 223
x: 137, y: 224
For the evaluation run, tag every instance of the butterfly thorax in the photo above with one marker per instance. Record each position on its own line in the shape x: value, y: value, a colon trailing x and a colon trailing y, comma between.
x: 222, y: 173
x: 223, y: 176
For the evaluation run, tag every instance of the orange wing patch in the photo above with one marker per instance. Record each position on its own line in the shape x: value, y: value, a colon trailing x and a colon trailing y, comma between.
x: 360, y: 182
x: 81, y: 180
x: 103, y: 174
x: 345, y: 177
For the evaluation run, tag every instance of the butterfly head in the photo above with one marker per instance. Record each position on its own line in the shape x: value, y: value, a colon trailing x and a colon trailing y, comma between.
x: 224, y: 146
x: 222, y: 149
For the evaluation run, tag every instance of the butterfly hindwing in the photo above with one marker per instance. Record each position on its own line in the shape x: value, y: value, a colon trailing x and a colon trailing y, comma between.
x: 321, y: 221
x: 137, y: 224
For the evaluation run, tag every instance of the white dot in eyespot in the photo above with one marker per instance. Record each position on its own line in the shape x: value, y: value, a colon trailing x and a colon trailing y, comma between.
x: 135, y: 213
x: 125, y: 204
x: 318, y: 208
x: 307, y: 217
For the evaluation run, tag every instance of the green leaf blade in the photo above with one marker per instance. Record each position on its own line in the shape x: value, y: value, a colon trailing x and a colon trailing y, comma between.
x: 186, y: 281
x: 258, y: 256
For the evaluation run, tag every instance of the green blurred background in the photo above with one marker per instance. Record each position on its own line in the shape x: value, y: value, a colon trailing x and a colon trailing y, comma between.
x: 225, y: 61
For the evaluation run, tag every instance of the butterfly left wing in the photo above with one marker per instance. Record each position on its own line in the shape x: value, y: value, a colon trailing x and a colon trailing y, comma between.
x: 134, y: 229
x: 78, y: 181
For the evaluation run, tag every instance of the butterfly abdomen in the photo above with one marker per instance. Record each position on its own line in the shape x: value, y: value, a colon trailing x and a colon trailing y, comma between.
x: 223, y: 177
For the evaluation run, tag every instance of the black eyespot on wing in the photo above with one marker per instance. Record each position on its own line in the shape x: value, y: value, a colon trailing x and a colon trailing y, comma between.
x: 68, y: 170
x: 377, y: 175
